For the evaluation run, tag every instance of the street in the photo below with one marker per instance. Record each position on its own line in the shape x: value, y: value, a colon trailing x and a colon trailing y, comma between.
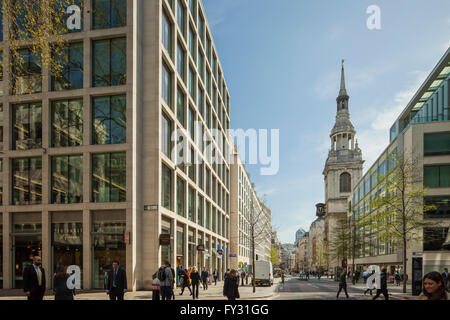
x: 314, y: 289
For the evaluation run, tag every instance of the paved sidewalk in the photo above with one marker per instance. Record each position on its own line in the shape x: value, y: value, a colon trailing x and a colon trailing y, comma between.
x: 213, y: 293
x: 395, y: 292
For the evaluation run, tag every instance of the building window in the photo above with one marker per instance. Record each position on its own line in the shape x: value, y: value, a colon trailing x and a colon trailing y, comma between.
x: 27, y: 124
x: 181, y: 203
x: 1, y: 127
x: 192, y: 85
x: 109, y: 120
x: 208, y: 216
x: 181, y: 17
x: 166, y: 187
x: 200, y: 210
x: 191, y: 204
x: 109, y: 177
x: 437, y: 143
x: 167, y: 85
x: 436, y: 176
x: 109, y: 13
x: 166, y: 135
x: 191, y: 169
x: 26, y: 72
x: 193, y: 9
x: 27, y: 181
x: 167, y: 33
x: 67, y: 179
x: 200, y: 101
x: 181, y: 62
x: 70, y: 62
x: 191, y: 120
x: 192, y: 43
x: 181, y: 107
x: 109, y: 62
x: 345, y: 182
x: 67, y: 123
x: 434, y: 239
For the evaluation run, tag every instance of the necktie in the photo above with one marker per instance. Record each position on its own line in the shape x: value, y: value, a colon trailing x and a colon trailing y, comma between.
x: 39, y: 276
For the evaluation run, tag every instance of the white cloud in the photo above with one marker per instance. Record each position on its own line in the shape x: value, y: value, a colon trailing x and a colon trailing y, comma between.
x: 375, y: 124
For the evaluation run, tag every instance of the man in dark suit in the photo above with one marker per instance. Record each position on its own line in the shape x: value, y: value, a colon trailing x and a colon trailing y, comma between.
x: 117, y: 282
x: 34, y: 280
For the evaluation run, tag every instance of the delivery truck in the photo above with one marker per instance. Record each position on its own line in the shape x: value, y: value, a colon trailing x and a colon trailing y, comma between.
x: 263, y: 273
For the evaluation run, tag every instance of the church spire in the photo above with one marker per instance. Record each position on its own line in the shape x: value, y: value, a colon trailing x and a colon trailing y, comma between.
x: 342, y: 91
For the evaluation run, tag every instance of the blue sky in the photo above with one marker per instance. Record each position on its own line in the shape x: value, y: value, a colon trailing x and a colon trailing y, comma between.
x: 281, y: 61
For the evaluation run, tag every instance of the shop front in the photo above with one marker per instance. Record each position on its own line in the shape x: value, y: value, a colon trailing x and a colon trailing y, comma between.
x: 67, y: 241
x: 26, y: 243
x: 108, y: 231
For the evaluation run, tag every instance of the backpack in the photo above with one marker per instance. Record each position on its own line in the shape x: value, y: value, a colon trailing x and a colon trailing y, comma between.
x: 161, y: 274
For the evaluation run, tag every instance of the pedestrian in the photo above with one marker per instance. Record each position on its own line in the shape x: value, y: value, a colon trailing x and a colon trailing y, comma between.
x: 226, y: 274
x: 34, y: 280
x: 282, y: 277
x: 173, y: 282
x: 343, y: 283
x: 433, y: 287
x: 231, y: 286
x: 60, y: 289
x: 205, y: 275
x: 215, y: 275
x: 246, y: 278
x: 369, y: 289
x: 242, y: 277
x: 446, y: 277
x: 117, y: 282
x: 195, y: 278
x: 185, y: 281
x: 383, y: 286
x: 156, y: 284
x: 398, y: 278
x: 165, y: 276
x: 357, y: 275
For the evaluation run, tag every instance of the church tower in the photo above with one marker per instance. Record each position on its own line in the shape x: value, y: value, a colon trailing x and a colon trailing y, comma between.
x: 343, y: 167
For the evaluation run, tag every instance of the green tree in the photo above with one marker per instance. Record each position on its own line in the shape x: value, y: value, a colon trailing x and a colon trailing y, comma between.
x: 339, y: 243
x: 397, y: 207
x: 274, y: 255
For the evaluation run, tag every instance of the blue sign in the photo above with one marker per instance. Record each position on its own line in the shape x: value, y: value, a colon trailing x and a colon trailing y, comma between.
x: 232, y: 255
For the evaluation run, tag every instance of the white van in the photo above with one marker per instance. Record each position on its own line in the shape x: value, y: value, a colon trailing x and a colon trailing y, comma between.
x: 263, y: 273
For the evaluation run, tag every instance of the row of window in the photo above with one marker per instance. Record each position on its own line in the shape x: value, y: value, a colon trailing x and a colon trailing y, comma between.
x: 105, y: 14
x: 108, y: 176
x: 108, y: 123
x: 108, y: 67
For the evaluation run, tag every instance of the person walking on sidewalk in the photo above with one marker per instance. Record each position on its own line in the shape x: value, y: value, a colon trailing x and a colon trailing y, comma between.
x: 242, y: 277
x: 226, y: 274
x: 231, y: 286
x: 195, y: 279
x: 184, y: 281
x: 368, y: 289
x: 433, y: 287
x: 215, y: 275
x: 343, y: 283
x: 165, y: 276
x: 446, y: 277
x: 60, y: 289
x: 205, y: 275
x: 117, y: 282
x: 383, y: 286
x: 156, y: 287
x: 34, y: 280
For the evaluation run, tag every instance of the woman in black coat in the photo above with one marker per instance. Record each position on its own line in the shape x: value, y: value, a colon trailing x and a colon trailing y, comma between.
x: 231, y: 285
x: 195, y: 281
x: 60, y: 285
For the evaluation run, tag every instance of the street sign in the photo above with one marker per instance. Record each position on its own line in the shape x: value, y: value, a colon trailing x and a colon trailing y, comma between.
x: 150, y: 207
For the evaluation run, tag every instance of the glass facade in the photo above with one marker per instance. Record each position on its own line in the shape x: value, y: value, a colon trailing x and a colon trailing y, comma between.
x: 434, y: 239
x: 436, y: 143
x: 181, y: 259
x: 109, y: 177
x: 109, y: 13
x: 181, y: 107
x: 109, y: 66
x: 26, y: 181
x: 108, y: 245
x: 166, y: 136
x: 26, y: 72
x: 167, y: 85
x: 70, y: 59
x: 109, y: 124
x: 27, y: 124
x: 166, y: 250
x: 67, y: 179
x: 67, y: 123
x: 167, y: 33
x: 181, y: 197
